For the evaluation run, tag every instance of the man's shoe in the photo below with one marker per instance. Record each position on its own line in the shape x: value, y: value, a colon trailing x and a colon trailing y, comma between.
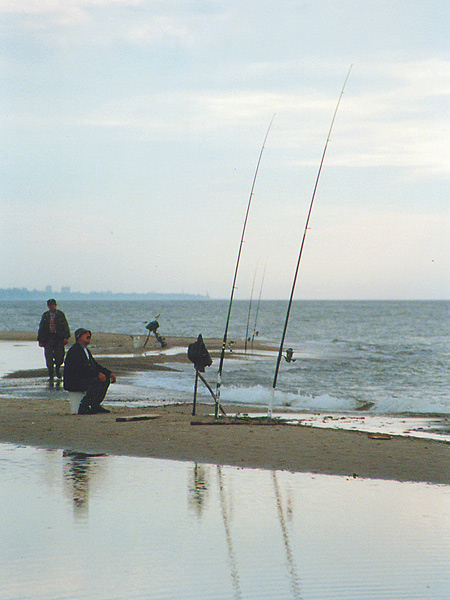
x: 85, y: 410
x: 100, y: 409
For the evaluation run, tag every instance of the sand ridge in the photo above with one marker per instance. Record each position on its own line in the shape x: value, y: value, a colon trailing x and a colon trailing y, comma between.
x: 48, y: 423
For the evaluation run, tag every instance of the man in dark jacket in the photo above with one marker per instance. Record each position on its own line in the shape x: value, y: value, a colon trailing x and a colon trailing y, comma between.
x: 53, y: 335
x: 82, y: 373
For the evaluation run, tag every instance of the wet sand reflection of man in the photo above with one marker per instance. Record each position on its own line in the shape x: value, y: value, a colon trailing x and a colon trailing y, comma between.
x: 79, y: 469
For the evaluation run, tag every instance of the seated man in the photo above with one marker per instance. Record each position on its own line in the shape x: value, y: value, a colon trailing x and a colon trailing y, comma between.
x: 82, y: 373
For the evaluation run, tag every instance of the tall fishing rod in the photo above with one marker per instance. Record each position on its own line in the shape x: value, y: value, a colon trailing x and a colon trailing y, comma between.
x: 249, y: 311
x: 280, y: 351
x: 257, y: 306
x: 225, y: 335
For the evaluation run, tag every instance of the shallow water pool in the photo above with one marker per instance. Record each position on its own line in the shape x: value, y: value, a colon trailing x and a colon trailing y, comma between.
x: 82, y: 527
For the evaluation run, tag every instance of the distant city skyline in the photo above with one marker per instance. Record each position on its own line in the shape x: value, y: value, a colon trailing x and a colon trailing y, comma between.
x: 65, y: 293
x: 48, y: 292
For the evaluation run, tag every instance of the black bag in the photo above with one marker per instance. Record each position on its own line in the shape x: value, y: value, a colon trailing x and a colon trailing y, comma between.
x: 152, y: 326
x: 199, y: 355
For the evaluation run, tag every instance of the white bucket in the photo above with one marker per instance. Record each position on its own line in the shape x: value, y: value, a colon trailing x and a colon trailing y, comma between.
x: 136, y: 341
x: 75, y: 398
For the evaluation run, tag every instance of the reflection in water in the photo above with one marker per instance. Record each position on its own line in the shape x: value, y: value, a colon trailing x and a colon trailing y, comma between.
x: 197, y: 487
x: 77, y: 472
x: 226, y: 521
x: 295, y: 582
x: 54, y: 384
x: 226, y: 501
x: 251, y: 535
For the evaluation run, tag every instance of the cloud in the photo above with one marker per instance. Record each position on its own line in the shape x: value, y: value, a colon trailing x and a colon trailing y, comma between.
x: 371, y: 131
x: 47, y: 7
x: 93, y: 23
x: 404, y: 122
x: 158, y: 30
x: 370, y: 253
x: 43, y: 14
x: 398, y: 127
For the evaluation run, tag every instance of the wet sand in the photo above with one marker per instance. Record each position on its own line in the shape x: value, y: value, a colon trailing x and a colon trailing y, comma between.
x: 176, y: 434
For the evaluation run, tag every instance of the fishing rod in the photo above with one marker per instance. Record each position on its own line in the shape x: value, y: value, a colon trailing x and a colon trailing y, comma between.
x: 225, y: 335
x: 280, y: 351
x: 257, y: 306
x: 249, y: 311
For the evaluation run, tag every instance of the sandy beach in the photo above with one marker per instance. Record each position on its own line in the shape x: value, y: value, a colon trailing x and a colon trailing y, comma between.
x: 176, y: 434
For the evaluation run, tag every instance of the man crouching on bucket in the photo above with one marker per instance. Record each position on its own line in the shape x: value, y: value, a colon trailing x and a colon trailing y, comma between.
x: 82, y: 373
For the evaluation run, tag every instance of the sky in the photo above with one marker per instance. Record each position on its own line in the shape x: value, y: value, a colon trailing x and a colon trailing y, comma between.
x: 131, y: 130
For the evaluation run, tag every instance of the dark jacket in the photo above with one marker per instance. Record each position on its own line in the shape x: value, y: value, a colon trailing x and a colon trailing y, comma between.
x: 61, y: 325
x: 78, y: 368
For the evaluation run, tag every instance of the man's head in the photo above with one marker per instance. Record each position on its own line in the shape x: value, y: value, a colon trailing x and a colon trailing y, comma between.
x: 83, y: 336
x: 51, y: 305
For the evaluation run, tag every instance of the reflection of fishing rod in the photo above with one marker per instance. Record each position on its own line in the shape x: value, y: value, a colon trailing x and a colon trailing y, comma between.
x: 249, y: 311
x: 287, y: 545
x: 231, y: 555
x: 257, y: 306
x: 280, y: 351
x: 225, y: 335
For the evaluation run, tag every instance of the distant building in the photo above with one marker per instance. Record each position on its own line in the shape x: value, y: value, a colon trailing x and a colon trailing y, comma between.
x: 67, y: 294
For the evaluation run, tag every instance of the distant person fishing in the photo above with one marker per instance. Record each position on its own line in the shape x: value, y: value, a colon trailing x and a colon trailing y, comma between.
x: 289, y: 354
x: 153, y: 327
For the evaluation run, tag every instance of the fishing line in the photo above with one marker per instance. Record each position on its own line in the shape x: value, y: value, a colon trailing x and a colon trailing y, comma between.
x: 280, y: 351
x: 225, y: 335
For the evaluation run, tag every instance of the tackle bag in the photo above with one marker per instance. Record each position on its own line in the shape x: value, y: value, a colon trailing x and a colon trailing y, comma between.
x: 199, y: 355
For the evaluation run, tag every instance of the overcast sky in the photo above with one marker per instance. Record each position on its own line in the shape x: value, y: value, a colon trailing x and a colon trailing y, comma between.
x: 131, y: 130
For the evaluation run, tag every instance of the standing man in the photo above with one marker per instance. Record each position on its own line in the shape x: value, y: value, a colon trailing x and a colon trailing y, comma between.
x: 53, y: 335
x: 82, y: 373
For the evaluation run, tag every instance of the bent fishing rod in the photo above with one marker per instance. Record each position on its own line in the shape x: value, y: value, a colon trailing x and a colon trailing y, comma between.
x: 280, y: 351
x: 225, y: 335
x: 258, y: 305
x: 249, y: 312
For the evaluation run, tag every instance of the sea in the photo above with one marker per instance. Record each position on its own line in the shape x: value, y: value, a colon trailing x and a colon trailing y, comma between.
x: 360, y: 357
x: 169, y: 530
